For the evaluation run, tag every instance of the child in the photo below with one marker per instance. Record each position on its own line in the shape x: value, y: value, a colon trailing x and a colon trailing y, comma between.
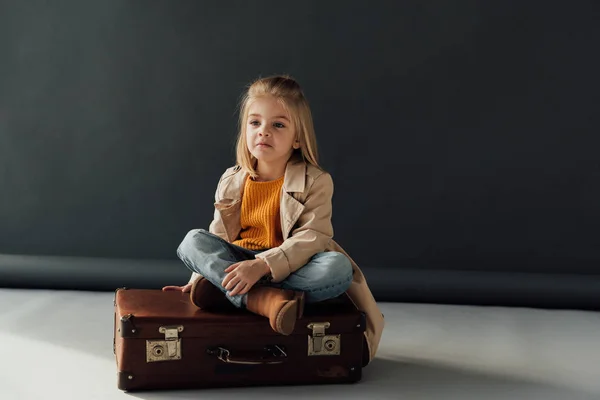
x: 269, y: 247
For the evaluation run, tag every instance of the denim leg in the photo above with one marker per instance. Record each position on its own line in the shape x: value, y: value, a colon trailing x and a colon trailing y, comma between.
x: 209, y: 255
x: 326, y: 275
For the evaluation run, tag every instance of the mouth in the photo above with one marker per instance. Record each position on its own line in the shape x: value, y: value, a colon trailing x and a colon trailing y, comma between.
x: 263, y: 145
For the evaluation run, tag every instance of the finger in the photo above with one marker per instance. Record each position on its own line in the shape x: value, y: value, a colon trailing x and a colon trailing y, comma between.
x: 234, y: 281
x: 232, y: 276
x: 238, y: 288
x: 246, y: 289
x: 167, y: 288
x: 227, y: 278
x: 187, y: 288
x: 232, y: 267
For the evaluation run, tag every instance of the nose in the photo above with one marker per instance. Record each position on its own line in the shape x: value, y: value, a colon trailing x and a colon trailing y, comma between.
x: 264, y: 132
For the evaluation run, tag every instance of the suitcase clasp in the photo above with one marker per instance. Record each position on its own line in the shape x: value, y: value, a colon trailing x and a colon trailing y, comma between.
x: 165, y: 350
x: 320, y: 344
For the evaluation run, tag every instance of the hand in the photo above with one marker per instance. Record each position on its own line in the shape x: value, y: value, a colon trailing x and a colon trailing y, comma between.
x: 184, y: 289
x: 243, y: 275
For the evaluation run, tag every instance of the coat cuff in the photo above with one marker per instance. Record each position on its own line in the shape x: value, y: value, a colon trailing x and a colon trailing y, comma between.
x: 277, y: 262
x: 194, y: 276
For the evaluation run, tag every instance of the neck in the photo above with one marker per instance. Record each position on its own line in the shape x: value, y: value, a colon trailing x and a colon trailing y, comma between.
x: 269, y: 172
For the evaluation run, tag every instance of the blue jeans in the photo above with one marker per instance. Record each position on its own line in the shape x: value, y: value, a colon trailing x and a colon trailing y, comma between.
x: 326, y: 275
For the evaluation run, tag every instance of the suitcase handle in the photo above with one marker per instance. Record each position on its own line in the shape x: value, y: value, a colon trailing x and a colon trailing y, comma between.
x: 270, y: 355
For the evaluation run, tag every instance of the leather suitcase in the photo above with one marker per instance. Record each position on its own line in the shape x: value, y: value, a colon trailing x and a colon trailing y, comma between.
x: 162, y: 341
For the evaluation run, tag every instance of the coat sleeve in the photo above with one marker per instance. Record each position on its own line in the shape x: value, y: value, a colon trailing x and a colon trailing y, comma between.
x: 311, y: 234
x: 216, y: 226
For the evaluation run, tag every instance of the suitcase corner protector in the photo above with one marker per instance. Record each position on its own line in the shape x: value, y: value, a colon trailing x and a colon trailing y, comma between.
x: 355, y: 374
x: 125, y: 380
x: 126, y: 327
x: 363, y: 321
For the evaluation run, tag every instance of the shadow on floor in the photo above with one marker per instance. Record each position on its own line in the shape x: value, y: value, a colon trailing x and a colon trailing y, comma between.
x: 85, y: 323
x: 393, y: 379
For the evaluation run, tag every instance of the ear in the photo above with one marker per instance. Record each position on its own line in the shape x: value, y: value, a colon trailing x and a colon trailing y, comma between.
x: 296, y: 144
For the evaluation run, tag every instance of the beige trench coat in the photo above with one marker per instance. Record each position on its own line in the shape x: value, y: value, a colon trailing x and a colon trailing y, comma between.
x: 305, y: 211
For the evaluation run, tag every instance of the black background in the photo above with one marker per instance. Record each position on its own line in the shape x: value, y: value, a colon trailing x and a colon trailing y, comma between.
x: 460, y: 135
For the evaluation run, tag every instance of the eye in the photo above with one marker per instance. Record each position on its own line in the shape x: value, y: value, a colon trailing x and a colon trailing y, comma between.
x: 278, y: 125
x: 254, y: 122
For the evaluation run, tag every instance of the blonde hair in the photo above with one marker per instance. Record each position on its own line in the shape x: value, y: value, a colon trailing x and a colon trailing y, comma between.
x: 286, y: 90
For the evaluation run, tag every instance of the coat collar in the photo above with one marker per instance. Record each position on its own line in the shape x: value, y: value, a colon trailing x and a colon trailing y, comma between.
x: 294, y: 179
x: 295, y: 175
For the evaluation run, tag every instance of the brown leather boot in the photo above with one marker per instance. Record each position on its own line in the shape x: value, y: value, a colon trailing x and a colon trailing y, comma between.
x: 282, y: 307
x: 207, y: 296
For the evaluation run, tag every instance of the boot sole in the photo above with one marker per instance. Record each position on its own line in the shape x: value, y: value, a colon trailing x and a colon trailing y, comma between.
x: 286, y: 318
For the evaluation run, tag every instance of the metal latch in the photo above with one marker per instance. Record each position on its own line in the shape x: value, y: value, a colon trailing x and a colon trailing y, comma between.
x: 165, y: 350
x: 320, y: 344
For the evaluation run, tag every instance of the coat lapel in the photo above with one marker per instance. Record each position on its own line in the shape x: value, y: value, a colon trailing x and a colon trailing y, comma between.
x: 293, y: 182
x: 230, y: 204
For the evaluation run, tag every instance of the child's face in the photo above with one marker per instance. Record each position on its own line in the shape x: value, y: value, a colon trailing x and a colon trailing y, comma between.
x: 270, y: 134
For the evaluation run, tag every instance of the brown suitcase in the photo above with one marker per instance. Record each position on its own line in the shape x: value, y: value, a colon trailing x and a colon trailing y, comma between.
x: 162, y: 341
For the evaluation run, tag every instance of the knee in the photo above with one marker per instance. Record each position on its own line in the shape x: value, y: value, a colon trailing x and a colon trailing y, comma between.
x: 339, y: 266
x: 192, y: 241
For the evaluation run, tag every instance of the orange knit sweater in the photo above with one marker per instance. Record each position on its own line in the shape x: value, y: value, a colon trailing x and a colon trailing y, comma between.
x: 261, y: 227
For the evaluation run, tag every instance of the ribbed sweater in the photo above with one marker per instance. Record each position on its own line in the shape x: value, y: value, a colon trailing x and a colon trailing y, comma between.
x: 261, y: 227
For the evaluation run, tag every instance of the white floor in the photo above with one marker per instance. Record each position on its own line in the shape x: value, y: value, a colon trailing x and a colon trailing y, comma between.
x: 59, y: 343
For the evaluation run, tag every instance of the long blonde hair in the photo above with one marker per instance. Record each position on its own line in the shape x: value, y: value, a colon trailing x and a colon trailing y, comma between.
x: 286, y: 90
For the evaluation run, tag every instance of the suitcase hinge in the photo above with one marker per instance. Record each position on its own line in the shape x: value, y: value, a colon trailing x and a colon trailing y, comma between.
x: 165, y: 350
x: 320, y: 344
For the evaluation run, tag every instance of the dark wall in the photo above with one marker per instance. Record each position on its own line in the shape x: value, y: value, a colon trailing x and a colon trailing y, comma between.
x: 460, y: 135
